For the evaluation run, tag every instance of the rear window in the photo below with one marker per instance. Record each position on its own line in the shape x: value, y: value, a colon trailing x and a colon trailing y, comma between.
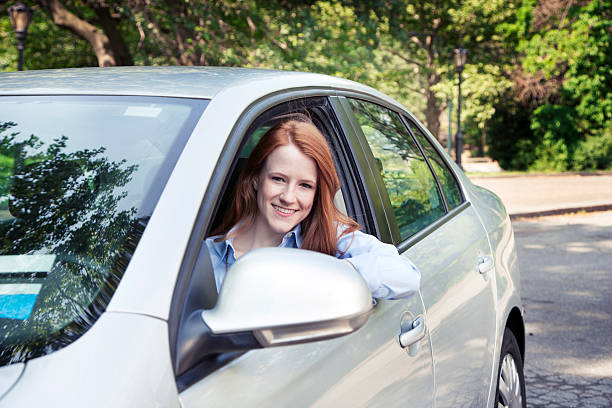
x: 79, y: 178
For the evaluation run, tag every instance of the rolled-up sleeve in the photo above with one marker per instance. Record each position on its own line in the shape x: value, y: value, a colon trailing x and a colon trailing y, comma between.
x: 388, y: 274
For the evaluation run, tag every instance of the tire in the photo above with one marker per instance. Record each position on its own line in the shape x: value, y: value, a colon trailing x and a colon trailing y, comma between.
x: 510, y: 392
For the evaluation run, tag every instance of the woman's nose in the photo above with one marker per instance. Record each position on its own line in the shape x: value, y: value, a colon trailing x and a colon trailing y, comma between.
x: 288, y: 194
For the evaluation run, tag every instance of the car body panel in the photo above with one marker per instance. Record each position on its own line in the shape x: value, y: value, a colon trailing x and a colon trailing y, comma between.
x: 122, y: 361
x: 8, y: 376
x: 366, y: 368
x: 496, y: 222
x: 507, y: 276
x: 460, y: 313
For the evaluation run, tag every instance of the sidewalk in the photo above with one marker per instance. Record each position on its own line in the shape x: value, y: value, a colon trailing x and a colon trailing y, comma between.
x: 533, y: 195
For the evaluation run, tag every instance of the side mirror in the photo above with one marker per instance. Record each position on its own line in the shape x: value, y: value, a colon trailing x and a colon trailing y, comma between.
x: 273, y: 297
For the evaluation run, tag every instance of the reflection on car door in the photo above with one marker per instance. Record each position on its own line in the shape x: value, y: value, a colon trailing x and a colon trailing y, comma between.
x: 367, y: 368
x: 460, y: 300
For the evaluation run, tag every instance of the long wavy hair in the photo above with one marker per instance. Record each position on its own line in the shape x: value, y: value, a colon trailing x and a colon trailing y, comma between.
x: 320, y: 227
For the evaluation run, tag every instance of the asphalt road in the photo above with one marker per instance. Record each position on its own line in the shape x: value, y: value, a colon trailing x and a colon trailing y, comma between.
x: 566, y: 284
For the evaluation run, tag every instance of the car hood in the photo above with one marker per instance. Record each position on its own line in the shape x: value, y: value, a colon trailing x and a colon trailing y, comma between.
x: 8, y: 377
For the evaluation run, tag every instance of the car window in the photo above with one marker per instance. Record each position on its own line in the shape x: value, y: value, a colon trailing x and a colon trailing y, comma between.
x: 79, y: 179
x: 445, y: 177
x: 201, y: 291
x: 411, y: 187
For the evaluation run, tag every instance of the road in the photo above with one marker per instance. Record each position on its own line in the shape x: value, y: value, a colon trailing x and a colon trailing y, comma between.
x: 566, y: 283
x: 554, y: 192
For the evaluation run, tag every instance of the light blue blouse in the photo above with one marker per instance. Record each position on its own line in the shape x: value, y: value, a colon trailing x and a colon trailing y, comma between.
x: 387, y: 274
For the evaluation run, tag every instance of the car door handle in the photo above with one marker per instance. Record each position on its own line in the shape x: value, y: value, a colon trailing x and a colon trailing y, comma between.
x: 485, y: 264
x: 409, y: 338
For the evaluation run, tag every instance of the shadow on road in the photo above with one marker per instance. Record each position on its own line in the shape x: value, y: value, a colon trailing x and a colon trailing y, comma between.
x: 566, y: 263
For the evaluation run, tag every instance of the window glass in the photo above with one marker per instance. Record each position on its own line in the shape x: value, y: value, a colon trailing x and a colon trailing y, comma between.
x: 445, y: 177
x: 412, y: 189
x: 79, y: 179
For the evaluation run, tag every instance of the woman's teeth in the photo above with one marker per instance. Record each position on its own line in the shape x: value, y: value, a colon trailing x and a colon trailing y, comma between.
x: 283, y: 210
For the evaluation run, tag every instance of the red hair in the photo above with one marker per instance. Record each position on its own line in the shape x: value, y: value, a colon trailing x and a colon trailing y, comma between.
x: 320, y: 227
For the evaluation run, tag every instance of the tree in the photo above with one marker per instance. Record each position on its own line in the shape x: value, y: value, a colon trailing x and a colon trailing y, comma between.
x: 423, y: 34
x: 153, y: 32
x: 47, y: 45
x: 106, y: 39
x: 565, y: 82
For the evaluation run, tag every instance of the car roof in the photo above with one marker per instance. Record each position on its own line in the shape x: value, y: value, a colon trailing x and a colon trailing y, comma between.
x: 188, y: 82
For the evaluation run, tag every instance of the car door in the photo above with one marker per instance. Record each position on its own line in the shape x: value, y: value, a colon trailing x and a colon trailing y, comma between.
x: 442, y: 234
x: 366, y: 368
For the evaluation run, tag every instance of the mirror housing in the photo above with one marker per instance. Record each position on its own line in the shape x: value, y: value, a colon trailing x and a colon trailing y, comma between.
x: 273, y: 297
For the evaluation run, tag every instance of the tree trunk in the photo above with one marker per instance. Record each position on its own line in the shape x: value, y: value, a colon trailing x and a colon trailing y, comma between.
x: 432, y: 114
x: 116, y: 42
x: 433, y: 110
x: 98, y: 40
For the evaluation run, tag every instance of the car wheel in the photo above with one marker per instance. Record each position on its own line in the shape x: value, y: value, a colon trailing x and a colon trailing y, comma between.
x: 510, y: 378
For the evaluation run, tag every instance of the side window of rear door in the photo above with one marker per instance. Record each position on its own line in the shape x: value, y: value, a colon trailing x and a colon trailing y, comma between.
x: 411, y: 187
x: 445, y: 177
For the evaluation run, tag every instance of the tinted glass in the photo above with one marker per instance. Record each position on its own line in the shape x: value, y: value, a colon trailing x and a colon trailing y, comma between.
x: 445, y: 177
x: 412, y: 189
x: 79, y: 179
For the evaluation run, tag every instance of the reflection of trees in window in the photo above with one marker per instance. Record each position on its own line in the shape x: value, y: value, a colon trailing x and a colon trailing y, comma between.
x: 410, y: 185
x: 390, y: 125
x: 64, y: 204
x: 446, y: 179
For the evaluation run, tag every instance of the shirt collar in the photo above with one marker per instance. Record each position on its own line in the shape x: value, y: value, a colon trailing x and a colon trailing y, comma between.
x: 292, y: 239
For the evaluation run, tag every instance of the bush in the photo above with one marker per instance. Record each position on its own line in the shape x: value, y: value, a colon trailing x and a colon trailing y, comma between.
x: 510, y: 139
x: 554, y: 126
x: 595, y: 152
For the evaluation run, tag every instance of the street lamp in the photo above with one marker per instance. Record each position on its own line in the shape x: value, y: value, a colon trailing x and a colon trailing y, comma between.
x: 459, y: 57
x: 20, y: 19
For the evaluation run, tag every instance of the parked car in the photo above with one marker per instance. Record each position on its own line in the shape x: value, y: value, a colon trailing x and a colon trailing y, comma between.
x: 110, y: 179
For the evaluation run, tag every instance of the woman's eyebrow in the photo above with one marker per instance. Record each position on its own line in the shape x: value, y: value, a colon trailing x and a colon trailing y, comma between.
x: 285, y: 174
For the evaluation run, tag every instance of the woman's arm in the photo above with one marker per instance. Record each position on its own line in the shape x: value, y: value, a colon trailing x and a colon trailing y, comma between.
x: 388, y: 274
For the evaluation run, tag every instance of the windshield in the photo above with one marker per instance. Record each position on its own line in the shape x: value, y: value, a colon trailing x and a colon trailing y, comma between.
x: 79, y: 179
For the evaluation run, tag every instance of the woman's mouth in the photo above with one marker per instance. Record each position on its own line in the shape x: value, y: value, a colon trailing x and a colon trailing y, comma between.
x: 285, y: 212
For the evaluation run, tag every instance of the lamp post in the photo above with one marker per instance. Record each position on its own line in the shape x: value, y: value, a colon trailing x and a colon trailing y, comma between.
x: 459, y: 57
x: 20, y: 15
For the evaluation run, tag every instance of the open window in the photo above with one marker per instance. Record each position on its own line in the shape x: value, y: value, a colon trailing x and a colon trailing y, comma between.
x: 196, y: 289
x: 315, y: 109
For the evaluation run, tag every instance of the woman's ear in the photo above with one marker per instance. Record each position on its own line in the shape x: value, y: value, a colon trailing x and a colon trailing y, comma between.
x: 255, y: 182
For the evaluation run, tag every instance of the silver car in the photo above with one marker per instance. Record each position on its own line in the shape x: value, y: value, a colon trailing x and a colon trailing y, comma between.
x: 110, y: 179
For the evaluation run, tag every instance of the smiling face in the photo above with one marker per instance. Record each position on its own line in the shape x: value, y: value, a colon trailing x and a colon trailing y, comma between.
x: 286, y: 188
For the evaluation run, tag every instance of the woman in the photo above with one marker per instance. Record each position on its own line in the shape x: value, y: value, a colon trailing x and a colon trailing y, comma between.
x: 284, y: 197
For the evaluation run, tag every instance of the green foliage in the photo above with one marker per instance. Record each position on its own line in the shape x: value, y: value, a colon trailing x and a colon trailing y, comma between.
x: 595, y: 152
x: 553, y: 126
x: 47, y: 45
x: 565, y: 59
x: 402, y: 47
x: 510, y: 139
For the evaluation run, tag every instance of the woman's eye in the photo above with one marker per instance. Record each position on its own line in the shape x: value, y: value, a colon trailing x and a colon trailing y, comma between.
x: 306, y: 185
x: 277, y: 178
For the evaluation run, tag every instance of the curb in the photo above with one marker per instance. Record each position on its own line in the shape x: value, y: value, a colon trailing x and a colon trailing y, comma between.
x: 559, y: 211
x: 499, y: 175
